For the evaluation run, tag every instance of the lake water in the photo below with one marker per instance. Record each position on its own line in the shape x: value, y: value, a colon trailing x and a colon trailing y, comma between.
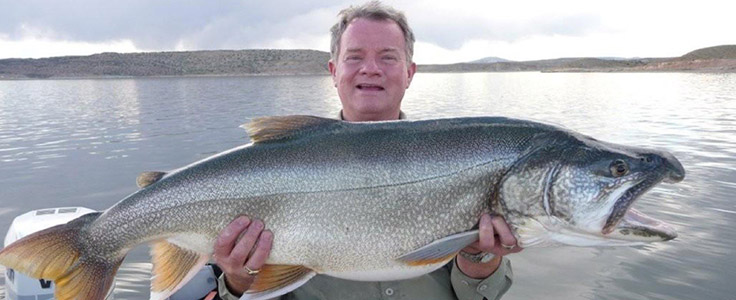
x: 83, y: 142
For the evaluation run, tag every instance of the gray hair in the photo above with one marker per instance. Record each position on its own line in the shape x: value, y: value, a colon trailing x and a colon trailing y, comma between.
x: 376, y: 11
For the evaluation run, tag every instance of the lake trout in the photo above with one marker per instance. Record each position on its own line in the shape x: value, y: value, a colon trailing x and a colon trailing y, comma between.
x: 363, y: 201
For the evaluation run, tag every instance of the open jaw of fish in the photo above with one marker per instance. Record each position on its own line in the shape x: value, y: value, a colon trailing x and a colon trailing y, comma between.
x: 369, y: 201
x: 612, y: 223
x: 631, y: 228
x: 627, y: 223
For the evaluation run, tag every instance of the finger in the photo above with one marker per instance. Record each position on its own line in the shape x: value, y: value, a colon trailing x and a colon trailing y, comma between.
x: 504, y: 232
x: 486, y: 239
x: 472, y: 248
x: 261, y: 252
x: 245, y: 245
x: 517, y: 249
x: 229, y: 235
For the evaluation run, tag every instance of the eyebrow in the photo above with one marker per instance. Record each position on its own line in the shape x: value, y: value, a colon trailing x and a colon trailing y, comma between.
x: 350, y: 50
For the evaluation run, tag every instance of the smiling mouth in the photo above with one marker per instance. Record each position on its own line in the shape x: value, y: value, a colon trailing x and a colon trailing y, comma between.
x: 370, y: 87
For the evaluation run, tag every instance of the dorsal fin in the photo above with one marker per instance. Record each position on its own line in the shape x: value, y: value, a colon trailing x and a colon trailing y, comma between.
x: 267, y: 129
x: 148, y: 178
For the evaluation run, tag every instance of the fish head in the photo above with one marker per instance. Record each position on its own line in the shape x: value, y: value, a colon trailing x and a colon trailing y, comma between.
x: 575, y: 190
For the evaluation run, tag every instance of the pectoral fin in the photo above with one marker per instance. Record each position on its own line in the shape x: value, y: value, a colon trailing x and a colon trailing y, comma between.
x: 276, y: 280
x: 440, y: 250
x: 173, y: 266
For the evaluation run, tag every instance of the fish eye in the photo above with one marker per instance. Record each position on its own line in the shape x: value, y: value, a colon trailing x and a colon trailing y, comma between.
x: 619, y: 168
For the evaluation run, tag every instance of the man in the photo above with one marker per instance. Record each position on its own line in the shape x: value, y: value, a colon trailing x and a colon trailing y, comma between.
x: 371, y: 67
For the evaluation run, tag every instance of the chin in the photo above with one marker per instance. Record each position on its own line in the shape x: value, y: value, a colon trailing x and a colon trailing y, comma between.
x: 371, y: 106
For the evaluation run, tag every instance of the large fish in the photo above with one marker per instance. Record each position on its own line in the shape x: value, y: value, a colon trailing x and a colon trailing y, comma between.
x: 362, y: 201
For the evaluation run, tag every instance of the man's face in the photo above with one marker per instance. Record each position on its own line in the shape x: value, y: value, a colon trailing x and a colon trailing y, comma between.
x: 371, y: 72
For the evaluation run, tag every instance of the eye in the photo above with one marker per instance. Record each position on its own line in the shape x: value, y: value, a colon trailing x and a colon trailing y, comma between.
x: 619, y: 168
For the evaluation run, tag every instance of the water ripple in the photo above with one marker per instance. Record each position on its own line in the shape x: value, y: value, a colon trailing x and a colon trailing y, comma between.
x: 83, y: 142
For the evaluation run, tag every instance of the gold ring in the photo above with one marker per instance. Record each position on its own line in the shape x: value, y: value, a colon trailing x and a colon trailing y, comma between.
x: 251, y: 272
x: 508, y: 247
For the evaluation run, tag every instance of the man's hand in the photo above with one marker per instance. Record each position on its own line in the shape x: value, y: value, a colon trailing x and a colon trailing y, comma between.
x: 495, y: 237
x: 232, y: 255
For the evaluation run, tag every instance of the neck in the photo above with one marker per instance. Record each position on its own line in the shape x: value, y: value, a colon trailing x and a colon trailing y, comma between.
x: 389, y: 116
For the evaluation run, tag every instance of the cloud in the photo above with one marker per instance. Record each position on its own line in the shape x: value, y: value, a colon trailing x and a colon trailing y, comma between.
x: 449, y: 31
x: 450, y: 24
x: 232, y: 31
x: 165, y: 24
x: 170, y: 24
x: 454, y: 34
x: 45, y: 48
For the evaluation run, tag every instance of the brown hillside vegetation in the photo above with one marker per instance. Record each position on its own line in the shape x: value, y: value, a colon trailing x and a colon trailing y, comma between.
x: 696, y: 65
x: 716, y: 59
x: 717, y: 52
x: 189, y: 63
x: 712, y: 59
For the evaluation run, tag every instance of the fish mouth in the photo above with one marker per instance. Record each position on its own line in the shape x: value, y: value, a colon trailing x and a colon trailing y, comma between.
x: 627, y: 220
x: 623, y: 204
x: 640, y: 226
x: 630, y: 222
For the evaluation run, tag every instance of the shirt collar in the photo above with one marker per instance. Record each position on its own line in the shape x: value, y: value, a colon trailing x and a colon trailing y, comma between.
x: 402, y: 116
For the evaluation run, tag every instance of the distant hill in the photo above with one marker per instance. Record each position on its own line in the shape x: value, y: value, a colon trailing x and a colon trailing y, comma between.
x: 712, y: 59
x: 303, y: 62
x: 717, y: 52
x: 547, y: 65
x: 188, y: 63
x: 489, y: 60
x: 616, y: 58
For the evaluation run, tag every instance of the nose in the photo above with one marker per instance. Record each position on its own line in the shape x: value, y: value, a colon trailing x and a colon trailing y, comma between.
x: 370, y: 67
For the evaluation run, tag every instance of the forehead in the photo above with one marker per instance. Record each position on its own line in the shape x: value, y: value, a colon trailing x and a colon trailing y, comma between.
x: 369, y: 34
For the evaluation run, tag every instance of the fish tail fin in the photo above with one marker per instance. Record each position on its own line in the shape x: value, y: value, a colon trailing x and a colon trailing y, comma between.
x: 56, y: 254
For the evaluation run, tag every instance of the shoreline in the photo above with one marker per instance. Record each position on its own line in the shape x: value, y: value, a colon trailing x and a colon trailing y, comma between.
x: 570, y: 70
x: 159, y: 76
x: 304, y: 62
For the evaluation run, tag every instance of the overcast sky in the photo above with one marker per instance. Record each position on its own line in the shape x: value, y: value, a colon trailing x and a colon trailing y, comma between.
x: 447, y: 31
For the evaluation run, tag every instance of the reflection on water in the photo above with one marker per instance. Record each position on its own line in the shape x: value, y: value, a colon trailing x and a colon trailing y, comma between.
x: 132, y: 278
x: 691, y: 115
x: 83, y: 142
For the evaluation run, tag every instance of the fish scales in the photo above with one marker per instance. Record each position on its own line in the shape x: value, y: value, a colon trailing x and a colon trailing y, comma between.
x: 308, y: 176
x: 369, y: 201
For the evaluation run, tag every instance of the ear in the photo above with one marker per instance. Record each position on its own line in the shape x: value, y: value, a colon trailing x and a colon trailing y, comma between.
x: 333, y: 71
x: 410, y: 72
